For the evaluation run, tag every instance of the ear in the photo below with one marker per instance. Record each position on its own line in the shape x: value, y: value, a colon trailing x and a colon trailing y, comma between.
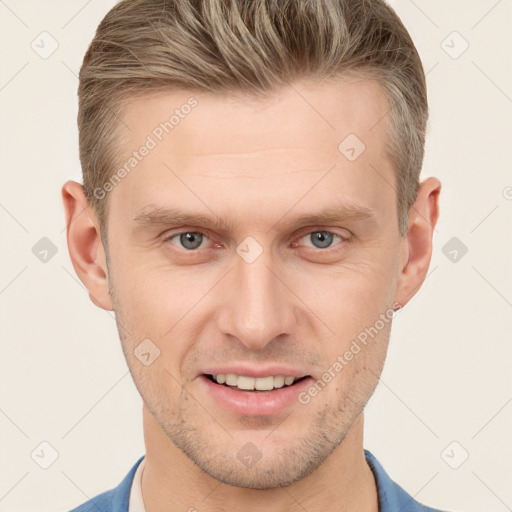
x: 416, y: 246
x: 85, y: 245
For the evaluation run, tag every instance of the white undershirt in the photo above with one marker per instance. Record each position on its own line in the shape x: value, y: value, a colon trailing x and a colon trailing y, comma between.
x: 136, y: 503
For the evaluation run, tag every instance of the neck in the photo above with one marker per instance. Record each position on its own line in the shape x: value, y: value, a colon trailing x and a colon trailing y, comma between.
x: 172, y: 482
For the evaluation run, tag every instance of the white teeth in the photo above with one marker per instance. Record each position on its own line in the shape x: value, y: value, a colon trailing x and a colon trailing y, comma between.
x: 262, y: 383
x: 279, y: 381
x: 252, y: 383
x: 246, y: 382
x: 231, y: 380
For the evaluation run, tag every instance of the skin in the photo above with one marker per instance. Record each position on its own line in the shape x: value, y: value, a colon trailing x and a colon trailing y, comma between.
x: 256, y: 165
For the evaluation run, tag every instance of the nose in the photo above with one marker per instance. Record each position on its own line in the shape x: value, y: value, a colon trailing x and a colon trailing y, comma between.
x: 257, y: 305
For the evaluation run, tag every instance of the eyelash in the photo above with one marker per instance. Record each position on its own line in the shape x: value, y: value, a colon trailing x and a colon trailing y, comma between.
x: 168, y: 238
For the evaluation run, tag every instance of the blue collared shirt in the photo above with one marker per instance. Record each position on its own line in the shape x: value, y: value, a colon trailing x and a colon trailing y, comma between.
x: 392, y: 498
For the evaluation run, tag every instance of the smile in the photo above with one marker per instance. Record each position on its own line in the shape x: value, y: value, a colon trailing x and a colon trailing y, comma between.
x: 246, y: 383
x: 253, y: 402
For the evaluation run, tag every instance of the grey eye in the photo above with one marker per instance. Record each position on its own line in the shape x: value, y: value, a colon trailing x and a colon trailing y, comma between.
x: 321, y: 239
x: 191, y: 240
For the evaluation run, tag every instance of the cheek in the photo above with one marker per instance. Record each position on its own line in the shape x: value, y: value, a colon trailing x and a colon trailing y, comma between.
x: 166, y: 307
x: 157, y: 295
x: 351, y: 294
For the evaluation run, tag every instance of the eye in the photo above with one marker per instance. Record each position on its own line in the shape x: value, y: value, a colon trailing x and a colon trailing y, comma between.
x: 189, y: 240
x: 193, y: 240
x: 322, y: 239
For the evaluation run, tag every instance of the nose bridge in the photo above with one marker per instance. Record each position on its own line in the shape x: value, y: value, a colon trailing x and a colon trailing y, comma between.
x: 257, y: 307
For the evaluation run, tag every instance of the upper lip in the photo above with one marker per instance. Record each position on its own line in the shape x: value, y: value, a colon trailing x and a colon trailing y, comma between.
x: 251, y: 371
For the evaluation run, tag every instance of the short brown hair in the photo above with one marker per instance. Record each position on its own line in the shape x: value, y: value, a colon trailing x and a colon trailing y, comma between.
x: 247, y: 46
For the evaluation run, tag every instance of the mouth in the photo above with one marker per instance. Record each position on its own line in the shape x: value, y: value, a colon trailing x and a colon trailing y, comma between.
x: 250, y: 385
x: 240, y: 394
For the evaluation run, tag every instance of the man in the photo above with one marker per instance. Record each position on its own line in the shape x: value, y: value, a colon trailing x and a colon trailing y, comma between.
x: 252, y: 212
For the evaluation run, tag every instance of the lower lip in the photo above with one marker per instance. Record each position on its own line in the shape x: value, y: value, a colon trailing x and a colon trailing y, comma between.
x: 252, y: 403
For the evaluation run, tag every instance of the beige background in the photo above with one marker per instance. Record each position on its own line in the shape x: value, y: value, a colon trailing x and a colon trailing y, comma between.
x: 63, y: 378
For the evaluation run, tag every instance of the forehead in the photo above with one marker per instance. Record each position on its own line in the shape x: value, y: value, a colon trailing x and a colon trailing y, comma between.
x: 319, y: 113
x: 247, y: 151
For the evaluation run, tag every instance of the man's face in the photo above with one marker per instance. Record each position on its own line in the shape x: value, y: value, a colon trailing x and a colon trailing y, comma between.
x: 259, y: 288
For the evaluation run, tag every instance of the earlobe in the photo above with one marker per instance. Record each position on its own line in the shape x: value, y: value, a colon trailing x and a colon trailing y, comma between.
x: 416, y: 250
x: 84, y: 244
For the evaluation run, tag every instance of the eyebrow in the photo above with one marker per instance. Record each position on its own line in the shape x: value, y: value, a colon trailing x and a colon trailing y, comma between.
x: 154, y: 216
